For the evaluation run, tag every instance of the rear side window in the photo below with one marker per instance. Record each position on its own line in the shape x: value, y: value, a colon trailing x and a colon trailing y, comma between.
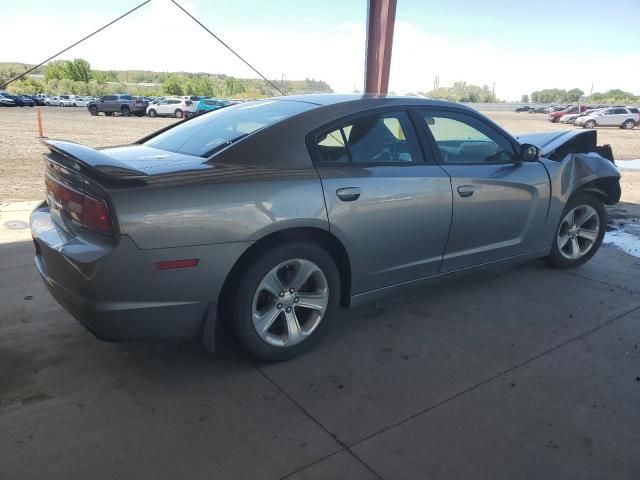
x: 211, y: 132
x: 383, y: 138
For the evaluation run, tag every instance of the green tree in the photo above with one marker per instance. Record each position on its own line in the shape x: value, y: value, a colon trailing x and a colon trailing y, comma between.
x: 79, y: 70
x: 172, y: 85
x: 56, y: 70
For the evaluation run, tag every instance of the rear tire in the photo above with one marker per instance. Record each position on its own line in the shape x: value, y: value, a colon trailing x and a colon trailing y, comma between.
x: 629, y: 124
x: 579, y: 233
x: 93, y: 111
x: 125, y: 111
x: 277, y: 316
x: 177, y: 113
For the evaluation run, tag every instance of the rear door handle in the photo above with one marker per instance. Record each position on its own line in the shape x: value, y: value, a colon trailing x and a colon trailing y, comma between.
x: 348, y: 194
x: 466, y: 190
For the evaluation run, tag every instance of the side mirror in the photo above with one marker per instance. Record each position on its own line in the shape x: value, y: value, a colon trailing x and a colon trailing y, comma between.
x: 529, y: 153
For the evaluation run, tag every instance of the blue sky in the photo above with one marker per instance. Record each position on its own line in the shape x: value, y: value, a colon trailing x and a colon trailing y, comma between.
x: 521, y: 46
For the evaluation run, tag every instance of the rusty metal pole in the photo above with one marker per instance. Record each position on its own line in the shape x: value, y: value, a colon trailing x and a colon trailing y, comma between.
x: 381, y: 19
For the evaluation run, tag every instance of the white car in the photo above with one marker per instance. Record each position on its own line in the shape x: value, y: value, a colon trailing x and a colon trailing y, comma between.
x: 66, y: 100
x: 172, y: 107
x: 572, y: 117
x: 80, y: 102
x: 622, y: 117
x: 52, y: 101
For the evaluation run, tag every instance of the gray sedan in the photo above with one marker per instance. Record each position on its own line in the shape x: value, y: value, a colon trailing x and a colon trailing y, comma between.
x: 268, y: 215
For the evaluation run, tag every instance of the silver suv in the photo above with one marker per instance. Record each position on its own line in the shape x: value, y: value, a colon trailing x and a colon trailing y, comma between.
x: 623, y: 117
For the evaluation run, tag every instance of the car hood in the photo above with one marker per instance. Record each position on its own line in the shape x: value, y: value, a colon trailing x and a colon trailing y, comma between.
x: 549, y: 142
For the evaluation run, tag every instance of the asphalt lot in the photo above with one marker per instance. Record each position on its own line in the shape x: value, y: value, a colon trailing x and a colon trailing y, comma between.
x: 521, y: 373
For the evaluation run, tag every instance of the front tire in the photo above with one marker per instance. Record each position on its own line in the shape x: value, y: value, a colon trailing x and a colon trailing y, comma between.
x: 590, y: 124
x: 579, y: 233
x: 629, y: 124
x: 285, y: 301
x: 93, y: 111
x: 177, y: 113
x: 153, y: 113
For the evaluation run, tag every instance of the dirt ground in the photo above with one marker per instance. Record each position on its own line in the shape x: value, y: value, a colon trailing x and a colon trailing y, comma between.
x: 20, y: 150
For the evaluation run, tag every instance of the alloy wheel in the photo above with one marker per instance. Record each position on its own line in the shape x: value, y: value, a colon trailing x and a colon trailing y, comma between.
x: 578, y: 232
x: 290, y: 302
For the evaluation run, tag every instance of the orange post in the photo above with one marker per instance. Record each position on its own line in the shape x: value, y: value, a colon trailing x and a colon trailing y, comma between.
x: 40, y: 132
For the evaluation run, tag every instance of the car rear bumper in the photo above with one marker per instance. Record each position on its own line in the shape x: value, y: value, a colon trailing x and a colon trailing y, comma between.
x: 114, y: 288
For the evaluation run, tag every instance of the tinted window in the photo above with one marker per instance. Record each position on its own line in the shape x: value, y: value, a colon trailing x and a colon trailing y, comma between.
x: 332, y: 147
x: 109, y: 98
x: 377, y: 138
x: 125, y: 97
x: 213, y: 131
x: 465, y: 139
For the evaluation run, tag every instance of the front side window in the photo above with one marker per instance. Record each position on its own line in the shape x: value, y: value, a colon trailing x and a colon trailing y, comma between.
x: 378, y: 138
x: 209, y: 133
x: 462, y: 139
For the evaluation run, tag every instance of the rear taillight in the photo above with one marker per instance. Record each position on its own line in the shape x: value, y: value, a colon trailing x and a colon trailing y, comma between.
x: 88, y: 211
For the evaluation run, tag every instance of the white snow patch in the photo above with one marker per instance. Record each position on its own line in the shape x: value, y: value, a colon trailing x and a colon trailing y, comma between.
x: 627, y: 239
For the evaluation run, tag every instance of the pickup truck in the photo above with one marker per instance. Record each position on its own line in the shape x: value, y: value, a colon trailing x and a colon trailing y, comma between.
x: 125, y: 105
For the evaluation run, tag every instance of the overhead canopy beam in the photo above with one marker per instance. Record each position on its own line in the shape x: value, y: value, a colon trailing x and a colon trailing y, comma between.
x: 381, y: 19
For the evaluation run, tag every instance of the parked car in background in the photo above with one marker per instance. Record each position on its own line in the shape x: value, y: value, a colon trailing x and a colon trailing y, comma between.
x: 572, y: 117
x: 36, y: 100
x: 555, y: 116
x: 67, y: 100
x: 125, y: 105
x: 610, y: 117
x: 208, y: 104
x: 18, y: 100
x: 80, y: 102
x: 172, y: 107
x: 523, y: 108
x: 52, y: 102
x: 6, y: 100
x: 538, y: 110
x: 23, y: 101
x: 272, y: 213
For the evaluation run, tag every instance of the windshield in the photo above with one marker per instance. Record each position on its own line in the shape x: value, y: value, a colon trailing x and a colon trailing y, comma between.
x: 211, y: 132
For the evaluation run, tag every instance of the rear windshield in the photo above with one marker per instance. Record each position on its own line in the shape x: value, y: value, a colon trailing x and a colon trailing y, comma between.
x: 207, y: 134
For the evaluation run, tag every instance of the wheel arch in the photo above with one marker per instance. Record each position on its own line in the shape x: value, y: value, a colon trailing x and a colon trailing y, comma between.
x: 607, y: 189
x: 329, y: 242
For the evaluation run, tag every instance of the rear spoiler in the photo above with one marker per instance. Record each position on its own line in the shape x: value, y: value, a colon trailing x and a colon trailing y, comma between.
x: 90, y: 162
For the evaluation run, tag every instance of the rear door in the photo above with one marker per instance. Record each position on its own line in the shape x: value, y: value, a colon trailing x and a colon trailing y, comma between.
x: 390, y: 208
x: 109, y: 103
x: 499, y: 203
x: 613, y: 117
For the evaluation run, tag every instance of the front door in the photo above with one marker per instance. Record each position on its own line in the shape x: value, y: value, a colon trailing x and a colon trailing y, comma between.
x: 390, y: 208
x: 499, y: 203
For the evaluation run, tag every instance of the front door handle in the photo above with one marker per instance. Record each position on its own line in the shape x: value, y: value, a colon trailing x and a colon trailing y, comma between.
x: 348, y: 194
x: 466, y: 190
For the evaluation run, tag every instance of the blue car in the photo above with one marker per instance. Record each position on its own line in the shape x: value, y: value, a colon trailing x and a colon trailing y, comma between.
x: 209, y: 104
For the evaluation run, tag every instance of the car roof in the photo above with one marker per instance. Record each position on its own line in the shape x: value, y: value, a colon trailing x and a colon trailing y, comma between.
x: 325, y: 99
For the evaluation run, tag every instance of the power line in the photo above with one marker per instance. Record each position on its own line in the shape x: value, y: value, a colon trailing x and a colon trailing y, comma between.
x: 71, y: 46
x: 228, y: 48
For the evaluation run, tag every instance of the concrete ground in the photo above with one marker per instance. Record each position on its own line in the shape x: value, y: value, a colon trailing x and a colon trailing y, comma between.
x: 526, y: 373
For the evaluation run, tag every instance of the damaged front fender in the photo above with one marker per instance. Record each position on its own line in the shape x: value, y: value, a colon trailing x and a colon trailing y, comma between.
x: 575, y: 163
